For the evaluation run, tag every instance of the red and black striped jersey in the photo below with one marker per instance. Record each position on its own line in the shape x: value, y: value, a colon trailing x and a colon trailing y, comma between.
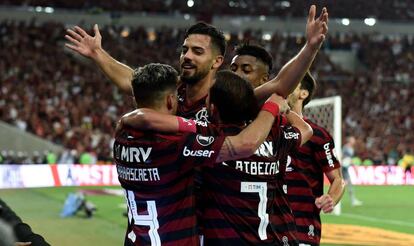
x: 244, y: 202
x: 157, y: 173
x: 304, y: 178
x: 196, y: 111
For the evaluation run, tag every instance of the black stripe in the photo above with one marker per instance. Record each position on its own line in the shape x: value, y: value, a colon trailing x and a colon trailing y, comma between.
x: 178, y: 235
x: 307, y: 215
x: 179, y: 214
x: 237, y: 242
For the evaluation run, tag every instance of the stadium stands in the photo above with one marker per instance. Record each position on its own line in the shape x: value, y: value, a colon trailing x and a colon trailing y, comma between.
x: 46, y: 90
x: 380, y: 9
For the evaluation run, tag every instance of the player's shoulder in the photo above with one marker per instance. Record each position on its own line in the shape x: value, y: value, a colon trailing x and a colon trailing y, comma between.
x: 319, y: 132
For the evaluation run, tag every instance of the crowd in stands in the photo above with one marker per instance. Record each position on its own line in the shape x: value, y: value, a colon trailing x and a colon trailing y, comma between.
x: 51, y: 92
x: 381, y: 9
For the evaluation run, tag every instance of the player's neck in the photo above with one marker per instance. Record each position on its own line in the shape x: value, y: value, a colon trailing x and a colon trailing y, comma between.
x: 160, y: 109
x: 197, y: 91
x: 297, y: 108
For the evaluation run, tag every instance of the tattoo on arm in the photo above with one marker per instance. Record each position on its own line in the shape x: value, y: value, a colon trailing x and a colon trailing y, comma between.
x: 227, y: 151
x: 230, y: 147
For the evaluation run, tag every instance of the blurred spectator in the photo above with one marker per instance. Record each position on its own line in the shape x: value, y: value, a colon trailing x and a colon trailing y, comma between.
x: 47, y: 91
x: 357, y: 9
x: 407, y: 161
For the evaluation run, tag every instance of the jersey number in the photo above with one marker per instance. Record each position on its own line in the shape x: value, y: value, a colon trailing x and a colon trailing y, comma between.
x: 143, y: 219
x: 261, y: 188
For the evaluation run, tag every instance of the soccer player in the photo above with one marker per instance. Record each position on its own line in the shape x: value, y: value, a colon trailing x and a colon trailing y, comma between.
x: 253, y: 63
x: 308, y: 164
x: 157, y: 170
x: 202, y: 54
x: 347, y: 155
x: 244, y: 203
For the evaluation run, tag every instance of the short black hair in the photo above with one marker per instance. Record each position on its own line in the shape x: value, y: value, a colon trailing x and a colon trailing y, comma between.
x: 308, y: 83
x: 150, y: 82
x: 256, y: 51
x: 217, y: 37
x: 234, y: 98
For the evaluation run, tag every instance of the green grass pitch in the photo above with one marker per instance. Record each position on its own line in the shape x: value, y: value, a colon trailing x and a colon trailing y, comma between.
x: 386, y: 207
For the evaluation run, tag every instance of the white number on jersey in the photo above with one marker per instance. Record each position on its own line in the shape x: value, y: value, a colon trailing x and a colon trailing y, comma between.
x: 261, y: 188
x: 143, y: 220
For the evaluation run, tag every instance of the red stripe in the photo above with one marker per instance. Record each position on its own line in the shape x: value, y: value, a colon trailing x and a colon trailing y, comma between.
x: 55, y: 174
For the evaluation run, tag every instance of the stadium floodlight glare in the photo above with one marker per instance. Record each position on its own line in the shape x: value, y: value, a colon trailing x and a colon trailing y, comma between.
x: 370, y: 21
x: 190, y: 3
x: 345, y: 21
x: 49, y: 10
x: 285, y: 4
x: 267, y: 36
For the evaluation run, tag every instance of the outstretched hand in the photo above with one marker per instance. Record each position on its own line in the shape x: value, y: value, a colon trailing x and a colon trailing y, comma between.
x: 82, y: 42
x: 316, y: 29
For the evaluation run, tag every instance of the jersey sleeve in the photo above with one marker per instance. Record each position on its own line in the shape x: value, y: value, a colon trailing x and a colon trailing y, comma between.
x: 201, y: 149
x: 325, y: 151
x: 287, y: 138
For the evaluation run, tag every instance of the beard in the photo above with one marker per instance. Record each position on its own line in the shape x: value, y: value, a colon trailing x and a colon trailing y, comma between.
x: 194, y: 78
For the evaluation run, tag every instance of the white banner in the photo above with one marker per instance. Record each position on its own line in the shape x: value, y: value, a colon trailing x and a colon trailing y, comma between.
x: 28, y: 176
x: 380, y: 175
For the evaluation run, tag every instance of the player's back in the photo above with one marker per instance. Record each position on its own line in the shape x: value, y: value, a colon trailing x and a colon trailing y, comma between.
x: 244, y: 200
x: 316, y: 157
x: 304, y: 178
x: 157, y: 173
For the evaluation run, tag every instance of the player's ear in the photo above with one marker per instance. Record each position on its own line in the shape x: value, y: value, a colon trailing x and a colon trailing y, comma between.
x: 264, y: 79
x: 303, y: 94
x: 170, y: 102
x: 217, y: 62
x: 211, y: 109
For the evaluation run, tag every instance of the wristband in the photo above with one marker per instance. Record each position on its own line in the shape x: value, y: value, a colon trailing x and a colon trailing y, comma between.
x: 271, y: 107
x: 185, y: 125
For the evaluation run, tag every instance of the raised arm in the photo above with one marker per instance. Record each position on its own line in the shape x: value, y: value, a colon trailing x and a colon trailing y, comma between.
x: 248, y: 141
x: 305, y: 129
x: 91, y: 47
x: 293, y: 72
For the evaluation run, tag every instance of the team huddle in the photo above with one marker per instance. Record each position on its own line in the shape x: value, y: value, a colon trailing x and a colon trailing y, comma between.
x: 221, y: 157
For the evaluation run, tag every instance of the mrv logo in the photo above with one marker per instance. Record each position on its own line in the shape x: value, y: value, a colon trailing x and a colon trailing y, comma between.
x: 132, y: 154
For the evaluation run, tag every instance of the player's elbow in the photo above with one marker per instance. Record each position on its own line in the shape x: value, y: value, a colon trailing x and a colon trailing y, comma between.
x: 248, y: 147
x: 137, y: 119
x: 280, y: 89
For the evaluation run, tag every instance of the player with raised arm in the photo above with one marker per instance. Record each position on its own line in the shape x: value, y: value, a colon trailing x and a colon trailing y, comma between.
x: 157, y: 170
x: 253, y: 63
x: 202, y: 54
x: 244, y: 203
x: 309, y: 164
